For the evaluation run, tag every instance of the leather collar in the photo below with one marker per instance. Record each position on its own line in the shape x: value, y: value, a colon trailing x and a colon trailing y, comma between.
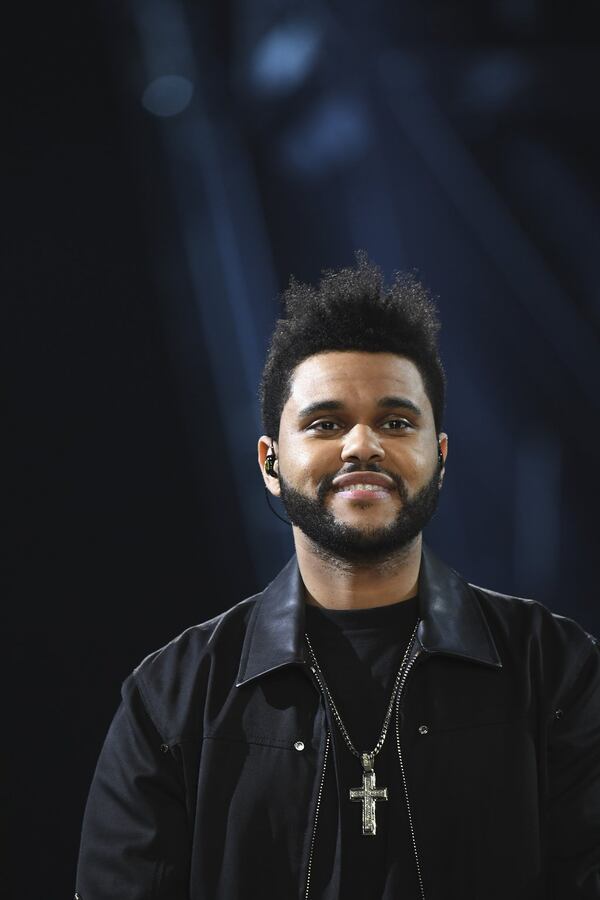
x: 452, y: 621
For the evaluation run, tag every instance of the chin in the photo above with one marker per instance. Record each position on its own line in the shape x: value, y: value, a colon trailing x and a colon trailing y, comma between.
x: 361, y: 507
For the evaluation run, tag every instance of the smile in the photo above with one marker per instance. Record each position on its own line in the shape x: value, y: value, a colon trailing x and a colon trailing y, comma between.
x: 376, y: 483
x: 370, y: 488
x: 363, y: 492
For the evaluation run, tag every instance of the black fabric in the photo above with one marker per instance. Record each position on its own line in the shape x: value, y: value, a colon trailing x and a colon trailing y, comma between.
x: 209, y: 780
x: 359, y: 653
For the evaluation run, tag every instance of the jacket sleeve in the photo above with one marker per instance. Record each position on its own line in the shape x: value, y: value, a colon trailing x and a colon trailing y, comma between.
x: 135, y: 842
x: 574, y: 787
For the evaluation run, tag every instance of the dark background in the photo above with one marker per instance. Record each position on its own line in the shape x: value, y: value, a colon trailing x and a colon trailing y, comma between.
x: 166, y: 167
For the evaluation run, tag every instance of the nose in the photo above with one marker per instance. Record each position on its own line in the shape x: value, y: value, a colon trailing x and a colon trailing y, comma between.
x: 362, y: 445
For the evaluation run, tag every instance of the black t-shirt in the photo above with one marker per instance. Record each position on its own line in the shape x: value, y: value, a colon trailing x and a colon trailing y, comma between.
x: 359, y: 653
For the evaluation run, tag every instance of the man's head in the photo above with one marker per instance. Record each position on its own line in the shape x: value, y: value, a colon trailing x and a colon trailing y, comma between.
x: 353, y: 384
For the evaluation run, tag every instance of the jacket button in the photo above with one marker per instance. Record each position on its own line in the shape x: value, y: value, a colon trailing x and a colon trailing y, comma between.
x: 164, y: 748
x: 423, y: 729
x: 558, y: 714
x: 299, y: 745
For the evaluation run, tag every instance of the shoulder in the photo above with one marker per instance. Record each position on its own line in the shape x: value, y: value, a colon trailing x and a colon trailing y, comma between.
x: 172, y: 680
x: 186, y: 650
x: 532, y: 616
x: 554, y: 646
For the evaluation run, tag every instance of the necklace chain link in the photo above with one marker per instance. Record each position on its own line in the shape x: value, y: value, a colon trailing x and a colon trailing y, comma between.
x: 386, y: 721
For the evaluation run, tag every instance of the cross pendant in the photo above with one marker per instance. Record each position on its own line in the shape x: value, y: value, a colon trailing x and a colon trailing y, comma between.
x: 368, y: 795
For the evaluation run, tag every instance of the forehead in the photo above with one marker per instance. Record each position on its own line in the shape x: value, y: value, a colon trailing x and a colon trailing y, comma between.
x: 355, y: 376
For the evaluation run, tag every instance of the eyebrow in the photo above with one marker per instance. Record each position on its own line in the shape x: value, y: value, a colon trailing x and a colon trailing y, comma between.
x: 383, y: 403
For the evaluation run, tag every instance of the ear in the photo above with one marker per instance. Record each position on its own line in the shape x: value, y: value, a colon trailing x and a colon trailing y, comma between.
x: 443, y: 445
x: 264, y: 445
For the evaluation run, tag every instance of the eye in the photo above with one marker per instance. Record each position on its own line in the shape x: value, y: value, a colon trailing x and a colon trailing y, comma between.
x: 324, y: 425
x: 397, y: 424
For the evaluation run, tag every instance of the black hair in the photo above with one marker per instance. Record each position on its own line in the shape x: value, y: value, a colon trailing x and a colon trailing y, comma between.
x: 351, y: 309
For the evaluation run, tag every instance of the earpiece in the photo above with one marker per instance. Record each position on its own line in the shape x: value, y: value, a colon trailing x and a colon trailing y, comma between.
x: 270, y: 463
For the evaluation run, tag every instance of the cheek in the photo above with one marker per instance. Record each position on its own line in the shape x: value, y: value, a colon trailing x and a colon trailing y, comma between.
x: 306, y: 464
x: 417, y: 465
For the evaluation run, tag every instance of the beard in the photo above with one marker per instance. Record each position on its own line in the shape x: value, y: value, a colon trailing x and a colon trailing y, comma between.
x: 361, y: 546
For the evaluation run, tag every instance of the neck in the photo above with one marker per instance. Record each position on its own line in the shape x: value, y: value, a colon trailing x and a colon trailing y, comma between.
x: 337, y: 584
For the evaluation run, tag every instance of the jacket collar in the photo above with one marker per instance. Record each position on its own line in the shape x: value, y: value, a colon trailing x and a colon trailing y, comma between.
x: 452, y: 621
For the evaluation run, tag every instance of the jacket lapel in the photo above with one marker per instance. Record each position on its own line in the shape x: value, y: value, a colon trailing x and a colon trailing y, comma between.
x: 275, y: 635
x: 452, y: 621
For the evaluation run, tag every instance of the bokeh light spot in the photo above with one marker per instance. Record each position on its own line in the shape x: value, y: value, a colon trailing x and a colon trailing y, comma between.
x: 167, y: 95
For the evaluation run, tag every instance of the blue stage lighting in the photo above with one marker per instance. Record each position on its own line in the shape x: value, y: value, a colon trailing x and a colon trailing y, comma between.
x: 284, y: 57
x: 167, y: 95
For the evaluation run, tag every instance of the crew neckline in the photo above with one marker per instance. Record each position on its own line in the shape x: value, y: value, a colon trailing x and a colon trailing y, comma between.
x: 371, y: 617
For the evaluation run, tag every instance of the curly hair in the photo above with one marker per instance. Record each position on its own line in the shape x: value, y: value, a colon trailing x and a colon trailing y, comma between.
x: 351, y: 309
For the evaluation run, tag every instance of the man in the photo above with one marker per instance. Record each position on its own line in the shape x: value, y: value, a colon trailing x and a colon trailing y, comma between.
x: 370, y: 725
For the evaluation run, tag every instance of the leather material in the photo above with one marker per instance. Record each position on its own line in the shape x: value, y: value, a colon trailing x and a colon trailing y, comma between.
x: 452, y: 621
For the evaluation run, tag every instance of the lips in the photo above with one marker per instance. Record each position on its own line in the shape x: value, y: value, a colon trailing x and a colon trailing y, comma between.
x: 345, y: 482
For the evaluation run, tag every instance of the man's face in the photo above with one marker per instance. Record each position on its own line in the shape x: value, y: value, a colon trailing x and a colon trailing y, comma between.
x: 349, y: 413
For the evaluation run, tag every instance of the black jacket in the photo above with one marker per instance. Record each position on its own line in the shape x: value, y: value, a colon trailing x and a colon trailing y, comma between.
x: 207, y: 787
